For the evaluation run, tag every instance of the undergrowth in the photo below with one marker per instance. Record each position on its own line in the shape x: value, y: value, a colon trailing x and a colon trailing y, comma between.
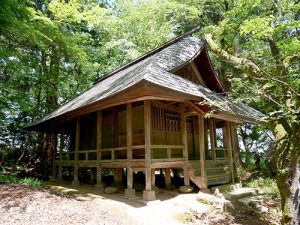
x: 14, y: 179
x: 267, y: 185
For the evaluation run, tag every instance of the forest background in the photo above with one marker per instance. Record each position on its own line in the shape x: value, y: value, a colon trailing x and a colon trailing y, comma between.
x: 53, y: 50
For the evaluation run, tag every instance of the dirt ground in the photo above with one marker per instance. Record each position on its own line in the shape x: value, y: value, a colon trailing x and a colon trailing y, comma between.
x: 62, y: 204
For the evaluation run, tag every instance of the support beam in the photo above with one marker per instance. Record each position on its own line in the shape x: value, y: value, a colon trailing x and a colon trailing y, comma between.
x: 202, y: 150
x: 77, y: 141
x: 185, y: 145
x: 99, y: 184
x: 229, y: 147
x: 148, y: 194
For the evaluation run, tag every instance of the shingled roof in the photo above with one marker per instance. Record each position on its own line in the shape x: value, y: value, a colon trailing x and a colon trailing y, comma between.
x: 156, y: 68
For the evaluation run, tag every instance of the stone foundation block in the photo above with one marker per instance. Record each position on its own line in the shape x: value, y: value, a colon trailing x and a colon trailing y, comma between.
x: 129, y: 193
x: 149, y: 195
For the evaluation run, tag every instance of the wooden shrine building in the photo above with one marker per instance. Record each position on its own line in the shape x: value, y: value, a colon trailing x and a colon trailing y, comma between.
x: 163, y: 111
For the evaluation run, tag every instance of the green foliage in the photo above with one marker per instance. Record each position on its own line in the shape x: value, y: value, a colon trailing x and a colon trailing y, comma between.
x: 267, y: 185
x: 14, y: 179
x: 53, y: 50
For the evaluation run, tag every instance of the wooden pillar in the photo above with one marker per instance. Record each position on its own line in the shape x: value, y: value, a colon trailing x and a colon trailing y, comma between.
x: 185, y: 147
x: 129, y: 145
x: 116, y: 129
x: 147, y: 120
x: 229, y: 149
x: 118, y: 176
x: 153, y: 178
x: 202, y: 151
x: 99, y: 184
x: 129, y: 192
x: 148, y: 194
x: 77, y: 141
x: 168, y: 182
x: 235, y: 151
x: 212, y: 139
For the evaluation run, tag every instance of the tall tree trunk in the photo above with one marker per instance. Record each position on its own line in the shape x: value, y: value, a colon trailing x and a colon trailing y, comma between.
x: 51, y: 103
x: 288, y: 174
x: 295, y: 189
x: 48, y: 149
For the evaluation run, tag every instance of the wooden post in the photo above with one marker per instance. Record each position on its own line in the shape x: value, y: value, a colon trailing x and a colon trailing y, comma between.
x: 116, y: 129
x: 202, y: 150
x: 148, y: 194
x: 129, y: 145
x: 168, y: 182
x: 235, y: 151
x: 185, y: 146
x: 129, y: 192
x: 77, y: 141
x: 212, y: 140
x: 229, y: 149
x: 147, y: 120
x: 118, y: 176
x: 153, y: 178
x: 99, y: 184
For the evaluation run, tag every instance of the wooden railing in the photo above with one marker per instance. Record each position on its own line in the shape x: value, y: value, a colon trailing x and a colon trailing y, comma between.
x: 87, y: 155
x: 221, y: 153
x: 167, y: 152
x: 158, y: 152
x: 113, y: 153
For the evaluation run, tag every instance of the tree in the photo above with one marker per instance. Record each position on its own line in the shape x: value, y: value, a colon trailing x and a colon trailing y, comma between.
x: 261, y: 40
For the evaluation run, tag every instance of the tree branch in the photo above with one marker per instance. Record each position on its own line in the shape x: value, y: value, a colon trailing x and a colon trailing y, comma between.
x: 243, y: 63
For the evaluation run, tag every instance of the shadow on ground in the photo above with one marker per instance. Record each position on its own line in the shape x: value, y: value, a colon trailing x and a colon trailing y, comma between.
x: 87, y: 192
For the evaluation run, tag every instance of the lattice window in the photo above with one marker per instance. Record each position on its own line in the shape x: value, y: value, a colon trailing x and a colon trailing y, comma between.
x: 189, y: 125
x: 165, y: 119
x: 192, y: 124
x: 173, y: 121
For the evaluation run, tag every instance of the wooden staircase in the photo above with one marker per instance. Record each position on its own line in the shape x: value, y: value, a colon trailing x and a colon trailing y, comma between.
x: 194, y: 173
x: 217, y: 172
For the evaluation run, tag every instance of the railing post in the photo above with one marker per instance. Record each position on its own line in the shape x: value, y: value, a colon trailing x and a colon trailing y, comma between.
x: 169, y: 153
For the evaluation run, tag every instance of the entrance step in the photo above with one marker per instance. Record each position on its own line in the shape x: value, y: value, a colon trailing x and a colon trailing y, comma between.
x: 257, y: 202
x: 226, y: 187
x: 240, y: 193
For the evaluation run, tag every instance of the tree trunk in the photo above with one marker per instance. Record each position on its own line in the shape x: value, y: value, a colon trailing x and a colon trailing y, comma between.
x: 289, y: 185
x: 48, y: 149
x: 295, y: 189
x: 287, y: 173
